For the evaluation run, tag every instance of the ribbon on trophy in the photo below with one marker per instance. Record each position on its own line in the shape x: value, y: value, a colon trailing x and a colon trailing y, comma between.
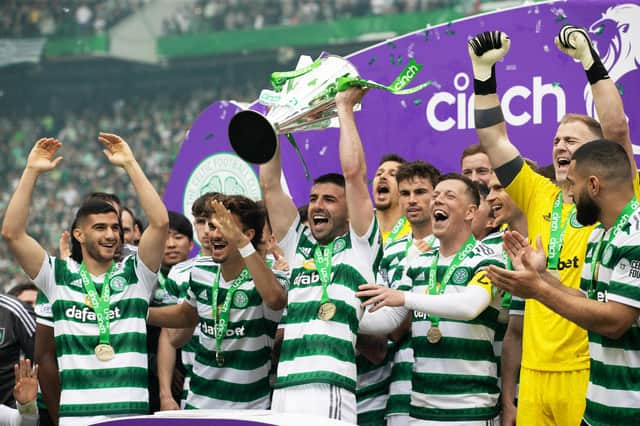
x: 304, y: 99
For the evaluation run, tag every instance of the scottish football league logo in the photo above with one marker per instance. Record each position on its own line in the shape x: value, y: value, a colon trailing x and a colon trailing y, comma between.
x: 616, y: 37
x: 224, y: 172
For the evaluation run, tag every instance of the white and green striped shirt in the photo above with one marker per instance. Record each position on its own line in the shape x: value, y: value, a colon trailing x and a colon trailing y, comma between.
x: 390, y: 272
x: 314, y: 350
x: 455, y: 379
x: 613, y: 395
x: 176, y: 288
x: 243, y: 381
x: 91, y: 387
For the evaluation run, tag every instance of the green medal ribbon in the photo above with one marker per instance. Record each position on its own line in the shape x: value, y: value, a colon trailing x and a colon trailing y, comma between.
x: 162, y: 280
x: 396, y: 230
x: 437, y: 289
x: 557, y: 232
x: 280, y: 78
x: 322, y: 258
x: 222, y: 323
x: 621, y: 220
x: 101, y: 304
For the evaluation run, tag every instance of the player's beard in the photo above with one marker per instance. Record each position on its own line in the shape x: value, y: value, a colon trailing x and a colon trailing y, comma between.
x: 587, y: 211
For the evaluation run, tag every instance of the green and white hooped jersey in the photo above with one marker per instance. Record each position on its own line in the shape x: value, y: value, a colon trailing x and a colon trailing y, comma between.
x: 455, y: 379
x: 372, y: 389
x: 91, y: 387
x: 390, y: 272
x: 613, y: 395
x: 44, y: 316
x: 495, y: 242
x: 176, y: 288
x: 314, y: 350
x: 243, y: 381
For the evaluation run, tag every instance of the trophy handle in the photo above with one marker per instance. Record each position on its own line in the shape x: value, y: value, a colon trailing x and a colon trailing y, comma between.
x: 253, y: 137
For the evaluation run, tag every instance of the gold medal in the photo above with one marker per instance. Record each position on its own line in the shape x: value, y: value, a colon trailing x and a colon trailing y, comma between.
x: 327, y: 311
x: 105, y: 352
x: 434, y: 335
x: 220, y: 359
x: 503, y: 316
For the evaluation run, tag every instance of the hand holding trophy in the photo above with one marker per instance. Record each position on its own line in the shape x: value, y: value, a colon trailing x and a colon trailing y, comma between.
x: 304, y: 99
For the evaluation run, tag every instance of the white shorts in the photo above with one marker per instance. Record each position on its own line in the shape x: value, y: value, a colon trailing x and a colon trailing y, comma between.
x: 316, y: 399
x: 492, y: 422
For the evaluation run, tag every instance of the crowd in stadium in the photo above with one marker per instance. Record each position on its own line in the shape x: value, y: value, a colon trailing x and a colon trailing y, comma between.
x: 61, y: 17
x: 417, y: 301
x: 154, y: 126
x: 220, y: 15
x: 82, y: 18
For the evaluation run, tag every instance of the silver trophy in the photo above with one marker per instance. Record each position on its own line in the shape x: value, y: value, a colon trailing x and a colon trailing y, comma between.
x: 303, y: 99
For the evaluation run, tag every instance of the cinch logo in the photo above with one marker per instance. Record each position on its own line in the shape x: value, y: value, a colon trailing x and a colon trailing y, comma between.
x: 86, y: 314
x: 210, y: 330
x: 409, y: 74
x: 465, y: 119
x: 307, y: 279
x: 618, y: 31
x: 569, y: 263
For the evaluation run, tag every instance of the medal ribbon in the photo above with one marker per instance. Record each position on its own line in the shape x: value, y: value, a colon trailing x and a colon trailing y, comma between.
x: 222, y: 322
x: 162, y: 280
x: 322, y: 258
x: 557, y: 231
x: 621, y: 221
x: 437, y: 289
x: 396, y: 230
x: 101, y: 304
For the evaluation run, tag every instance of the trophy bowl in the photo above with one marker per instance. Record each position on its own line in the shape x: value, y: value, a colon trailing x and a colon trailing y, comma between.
x: 304, y: 99
x: 253, y: 137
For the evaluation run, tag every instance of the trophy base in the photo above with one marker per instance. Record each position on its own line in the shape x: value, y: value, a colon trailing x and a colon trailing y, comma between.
x: 253, y: 137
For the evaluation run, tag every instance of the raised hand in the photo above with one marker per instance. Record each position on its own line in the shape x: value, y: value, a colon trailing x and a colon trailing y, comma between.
x: 280, y: 263
x: 575, y: 42
x: 485, y: 49
x: 116, y: 149
x: 350, y: 97
x: 522, y: 254
x: 41, y: 156
x: 228, y: 225
x: 64, y: 245
x: 26, y: 388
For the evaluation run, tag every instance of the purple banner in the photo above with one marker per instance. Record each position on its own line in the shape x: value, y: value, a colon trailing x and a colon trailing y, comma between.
x: 537, y: 84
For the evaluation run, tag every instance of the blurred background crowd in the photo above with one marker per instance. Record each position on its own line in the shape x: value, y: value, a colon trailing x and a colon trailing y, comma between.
x: 77, y: 87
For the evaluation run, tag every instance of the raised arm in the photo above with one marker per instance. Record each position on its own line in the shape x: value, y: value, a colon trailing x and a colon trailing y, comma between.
x: 271, y: 291
x: 485, y: 50
x: 28, y: 252
x: 280, y: 207
x: 151, y: 246
x: 353, y: 162
x: 575, y: 42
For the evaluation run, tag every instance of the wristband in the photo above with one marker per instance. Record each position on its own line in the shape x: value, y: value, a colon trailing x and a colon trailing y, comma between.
x: 597, y: 72
x: 488, y: 117
x: 487, y: 87
x: 247, y: 250
x: 30, y: 408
